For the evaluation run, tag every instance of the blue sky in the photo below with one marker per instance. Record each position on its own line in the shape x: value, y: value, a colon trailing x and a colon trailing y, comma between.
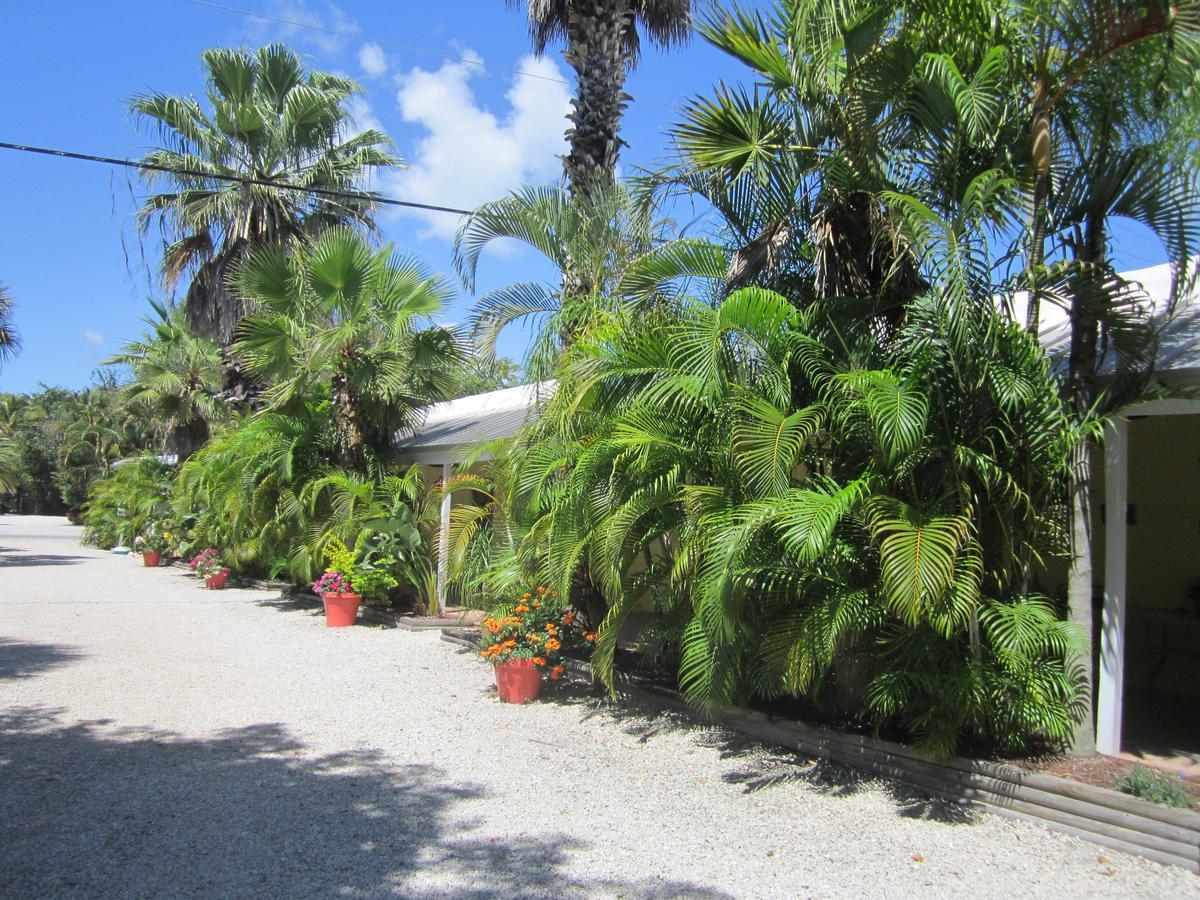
x: 69, y: 250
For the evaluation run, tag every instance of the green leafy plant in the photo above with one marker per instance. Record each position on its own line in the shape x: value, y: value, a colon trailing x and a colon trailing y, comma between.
x: 156, y: 540
x: 1156, y: 787
x: 364, y: 579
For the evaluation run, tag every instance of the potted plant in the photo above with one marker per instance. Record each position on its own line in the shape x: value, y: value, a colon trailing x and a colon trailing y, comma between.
x: 154, y: 545
x: 527, y: 642
x: 346, y: 583
x: 209, y: 566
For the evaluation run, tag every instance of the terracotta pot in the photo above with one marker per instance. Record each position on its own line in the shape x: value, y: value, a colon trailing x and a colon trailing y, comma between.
x: 216, y: 582
x: 340, y: 609
x: 150, y: 559
x: 518, y: 680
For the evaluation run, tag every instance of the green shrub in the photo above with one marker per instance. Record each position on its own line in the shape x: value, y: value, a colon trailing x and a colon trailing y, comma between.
x: 1157, y: 787
x: 123, y: 503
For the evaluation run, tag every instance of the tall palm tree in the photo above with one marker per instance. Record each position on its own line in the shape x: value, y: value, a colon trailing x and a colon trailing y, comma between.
x: 10, y: 341
x: 176, y: 379
x: 337, y: 315
x: 269, y: 120
x: 603, y: 45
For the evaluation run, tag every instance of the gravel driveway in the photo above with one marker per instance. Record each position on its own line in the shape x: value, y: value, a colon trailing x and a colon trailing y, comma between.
x: 163, y: 740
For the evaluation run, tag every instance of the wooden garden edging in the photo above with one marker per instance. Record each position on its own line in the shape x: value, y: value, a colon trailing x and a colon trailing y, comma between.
x: 1100, y: 815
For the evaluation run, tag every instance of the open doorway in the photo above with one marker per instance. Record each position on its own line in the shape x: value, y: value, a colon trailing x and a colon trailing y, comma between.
x: 1162, y: 629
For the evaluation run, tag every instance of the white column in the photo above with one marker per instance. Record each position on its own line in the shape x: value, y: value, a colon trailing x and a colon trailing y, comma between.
x: 443, y: 566
x: 1112, y: 629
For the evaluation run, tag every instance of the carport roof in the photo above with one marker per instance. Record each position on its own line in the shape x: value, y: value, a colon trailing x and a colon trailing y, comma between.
x: 1178, y: 359
x: 449, y: 430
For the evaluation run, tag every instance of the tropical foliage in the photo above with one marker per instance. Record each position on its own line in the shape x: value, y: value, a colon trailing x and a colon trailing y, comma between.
x: 336, y: 314
x: 594, y: 238
x: 56, y: 442
x: 125, y: 502
x: 176, y: 381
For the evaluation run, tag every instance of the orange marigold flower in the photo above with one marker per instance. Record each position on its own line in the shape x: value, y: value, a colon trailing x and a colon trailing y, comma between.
x: 556, y: 673
x: 521, y: 608
x: 589, y: 635
x: 552, y: 628
x: 526, y: 595
x: 539, y: 660
x: 553, y: 644
x: 568, y: 617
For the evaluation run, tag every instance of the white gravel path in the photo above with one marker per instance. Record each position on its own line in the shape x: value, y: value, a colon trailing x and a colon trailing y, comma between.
x: 161, y: 740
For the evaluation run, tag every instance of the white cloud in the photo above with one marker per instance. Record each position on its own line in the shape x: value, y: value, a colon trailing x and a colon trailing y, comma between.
x: 469, y: 154
x: 372, y: 60
x: 363, y: 116
x: 296, y: 22
x: 93, y: 337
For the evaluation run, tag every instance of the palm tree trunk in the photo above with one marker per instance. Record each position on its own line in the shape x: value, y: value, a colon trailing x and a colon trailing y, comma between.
x: 1037, y: 227
x: 349, y: 423
x: 597, y: 50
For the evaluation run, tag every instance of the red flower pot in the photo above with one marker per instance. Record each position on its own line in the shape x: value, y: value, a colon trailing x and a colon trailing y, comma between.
x: 340, y: 609
x: 518, y: 680
x: 216, y: 582
x: 150, y: 559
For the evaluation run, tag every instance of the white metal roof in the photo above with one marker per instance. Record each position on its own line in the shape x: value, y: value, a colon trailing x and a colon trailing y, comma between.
x: 451, y: 429
x: 1178, y: 359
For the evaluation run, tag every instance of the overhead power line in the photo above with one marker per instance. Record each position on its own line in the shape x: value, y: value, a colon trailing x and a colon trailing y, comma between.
x: 238, y: 179
x: 412, y: 48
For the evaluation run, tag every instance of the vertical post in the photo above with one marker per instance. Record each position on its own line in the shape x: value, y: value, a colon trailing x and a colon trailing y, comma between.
x: 443, y: 565
x: 1116, y: 544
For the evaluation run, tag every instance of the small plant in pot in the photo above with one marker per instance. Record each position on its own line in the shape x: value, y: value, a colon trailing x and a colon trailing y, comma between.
x: 208, y: 565
x: 346, y: 583
x: 526, y: 641
x: 154, y: 545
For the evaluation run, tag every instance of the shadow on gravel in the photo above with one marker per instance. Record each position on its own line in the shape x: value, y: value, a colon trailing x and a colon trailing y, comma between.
x: 759, y: 766
x: 92, y: 810
x: 292, y: 601
x: 10, y: 558
x: 23, y: 659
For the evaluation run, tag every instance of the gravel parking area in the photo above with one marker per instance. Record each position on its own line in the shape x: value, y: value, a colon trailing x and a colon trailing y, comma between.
x: 158, y: 739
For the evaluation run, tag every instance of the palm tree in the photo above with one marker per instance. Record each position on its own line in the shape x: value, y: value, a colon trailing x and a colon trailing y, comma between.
x: 337, y: 315
x: 267, y: 120
x: 176, y: 380
x: 603, y: 44
x: 10, y: 341
x: 593, y: 237
x: 1108, y: 101
x: 898, y: 158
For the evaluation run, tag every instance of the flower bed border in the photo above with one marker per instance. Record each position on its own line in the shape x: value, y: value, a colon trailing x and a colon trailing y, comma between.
x: 1106, y: 817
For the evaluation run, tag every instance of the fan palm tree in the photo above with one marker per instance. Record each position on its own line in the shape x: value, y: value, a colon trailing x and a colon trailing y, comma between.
x: 269, y: 120
x: 337, y: 315
x: 176, y: 380
x: 603, y: 45
x: 10, y: 341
